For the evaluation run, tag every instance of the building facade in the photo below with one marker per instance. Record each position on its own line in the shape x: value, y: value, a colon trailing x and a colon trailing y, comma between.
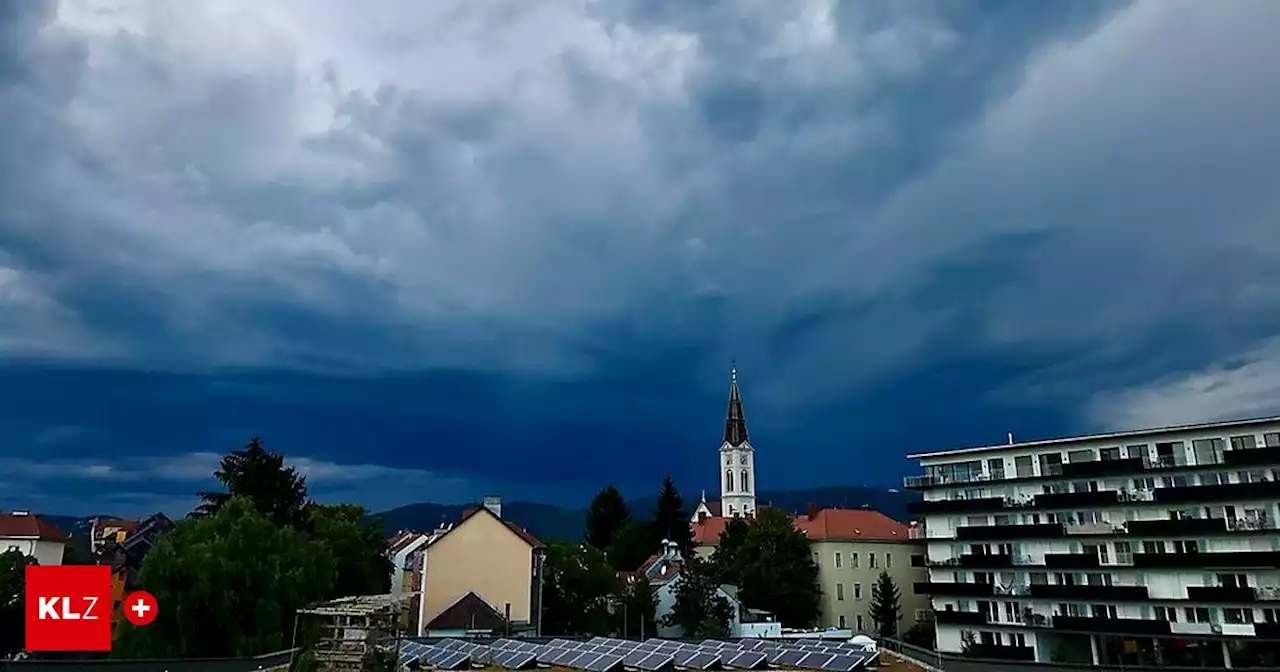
x: 1149, y: 547
x: 33, y: 536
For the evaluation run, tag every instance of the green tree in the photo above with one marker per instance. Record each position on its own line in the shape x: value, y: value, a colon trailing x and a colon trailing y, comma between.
x: 775, y: 570
x: 922, y: 635
x: 729, y: 550
x: 633, y: 545
x: 13, y: 583
x: 228, y: 585
x: 639, y: 609
x: 671, y: 518
x: 606, y: 517
x: 252, y: 472
x: 579, y: 587
x: 699, y: 607
x: 886, y: 605
x: 357, y: 545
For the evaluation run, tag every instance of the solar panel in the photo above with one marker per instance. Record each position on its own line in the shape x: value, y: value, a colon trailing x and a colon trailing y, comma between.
x: 547, y: 653
x: 843, y: 663
x: 655, y: 661
x: 748, y: 660
x: 633, y: 657
x: 454, y: 660
x: 581, y: 660
x: 815, y: 661
x: 788, y: 657
x: 605, y: 663
x: 567, y: 655
x: 700, y: 661
x: 514, y: 660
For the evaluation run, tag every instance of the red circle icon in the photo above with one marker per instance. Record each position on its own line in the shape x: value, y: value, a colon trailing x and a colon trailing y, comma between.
x: 140, y: 607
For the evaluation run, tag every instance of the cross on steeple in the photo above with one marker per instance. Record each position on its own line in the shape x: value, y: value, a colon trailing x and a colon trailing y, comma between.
x: 735, y: 422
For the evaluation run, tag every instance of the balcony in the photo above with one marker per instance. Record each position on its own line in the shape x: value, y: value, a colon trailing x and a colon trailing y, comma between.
x: 1227, y: 594
x: 926, y: 506
x: 961, y: 617
x: 1119, y: 626
x: 1009, y: 532
x: 954, y: 589
x: 1254, y: 457
x: 1224, y: 560
x: 1184, y: 527
x: 916, y: 482
x: 1092, y: 528
x: 1069, y: 500
x: 1071, y: 561
x: 1250, y: 524
x: 1098, y: 468
x: 1000, y: 652
x: 1228, y: 492
x: 1088, y: 592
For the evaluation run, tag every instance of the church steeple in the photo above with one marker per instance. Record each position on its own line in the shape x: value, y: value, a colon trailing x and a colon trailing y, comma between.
x: 735, y: 422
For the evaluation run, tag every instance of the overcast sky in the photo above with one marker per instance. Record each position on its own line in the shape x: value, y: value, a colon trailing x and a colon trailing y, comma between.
x: 432, y: 250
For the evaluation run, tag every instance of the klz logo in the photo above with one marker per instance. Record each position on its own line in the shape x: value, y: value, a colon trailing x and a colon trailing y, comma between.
x: 68, y: 608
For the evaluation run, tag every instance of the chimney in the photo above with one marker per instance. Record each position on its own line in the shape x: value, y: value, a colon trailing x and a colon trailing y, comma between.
x: 1011, y: 438
x: 813, y: 510
x: 494, y: 504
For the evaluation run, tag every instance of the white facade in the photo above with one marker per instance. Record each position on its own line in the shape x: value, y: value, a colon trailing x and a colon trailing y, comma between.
x: 1085, y: 556
x: 44, y: 551
x: 737, y: 480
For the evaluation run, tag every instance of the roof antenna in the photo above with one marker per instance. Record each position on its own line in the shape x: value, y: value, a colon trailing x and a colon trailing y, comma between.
x: 1011, y: 438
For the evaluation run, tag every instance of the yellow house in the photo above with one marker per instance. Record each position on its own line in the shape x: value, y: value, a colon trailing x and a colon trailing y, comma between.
x: 484, y: 573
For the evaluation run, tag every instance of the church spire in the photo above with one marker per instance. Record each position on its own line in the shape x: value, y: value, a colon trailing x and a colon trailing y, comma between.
x: 735, y: 422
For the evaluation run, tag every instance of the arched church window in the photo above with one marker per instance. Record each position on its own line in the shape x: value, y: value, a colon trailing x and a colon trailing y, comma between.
x: 746, y: 481
x: 728, y: 480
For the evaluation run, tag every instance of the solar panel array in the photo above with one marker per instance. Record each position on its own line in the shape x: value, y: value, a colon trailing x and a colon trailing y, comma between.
x: 603, y: 654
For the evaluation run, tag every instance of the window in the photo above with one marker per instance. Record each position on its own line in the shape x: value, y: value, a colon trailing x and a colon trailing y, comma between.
x: 1102, y: 611
x: 1271, y: 440
x: 922, y: 615
x: 1169, y: 614
x: 1139, y: 450
x: 995, y: 466
x: 1196, y: 614
x: 1080, y: 456
x: 888, y: 560
x: 1110, y: 453
x: 1024, y: 466
x: 745, y: 481
x: 838, y: 560
x: 1188, y: 546
x: 1153, y: 547
x: 853, y: 560
x: 1247, y: 442
x: 860, y: 628
x: 1214, y: 479
x: 1233, y: 580
x: 871, y: 560
x: 728, y: 480
x: 842, y: 621
x: 857, y: 591
x: 1147, y: 483
x: 1237, y: 616
x: 1208, y: 451
x: 840, y: 592
x: 1249, y: 477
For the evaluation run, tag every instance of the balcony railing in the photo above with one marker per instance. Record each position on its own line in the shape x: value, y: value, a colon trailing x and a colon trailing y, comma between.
x: 1137, y: 496
x: 1012, y: 589
x: 1250, y: 524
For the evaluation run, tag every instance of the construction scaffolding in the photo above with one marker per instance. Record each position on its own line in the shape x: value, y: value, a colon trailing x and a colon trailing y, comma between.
x: 350, y: 629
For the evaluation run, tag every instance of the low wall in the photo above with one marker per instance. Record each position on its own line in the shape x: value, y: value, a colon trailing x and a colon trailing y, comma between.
x: 246, y: 664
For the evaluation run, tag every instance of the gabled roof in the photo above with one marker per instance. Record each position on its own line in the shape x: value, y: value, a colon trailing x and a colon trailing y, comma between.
x: 515, y: 529
x: 26, y: 525
x: 469, y: 612
x: 822, y: 525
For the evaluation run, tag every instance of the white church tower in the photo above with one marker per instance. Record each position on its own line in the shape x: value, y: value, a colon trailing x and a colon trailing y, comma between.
x: 737, y: 459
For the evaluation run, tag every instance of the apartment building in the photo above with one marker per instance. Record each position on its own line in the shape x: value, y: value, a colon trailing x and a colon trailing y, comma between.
x: 1156, y: 546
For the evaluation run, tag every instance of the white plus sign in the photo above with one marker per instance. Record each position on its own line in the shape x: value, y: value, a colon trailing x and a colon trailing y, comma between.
x: 141, y: 608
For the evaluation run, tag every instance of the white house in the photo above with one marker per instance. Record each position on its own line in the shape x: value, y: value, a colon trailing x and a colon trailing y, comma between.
x: 664, y: 573
x: 32, y: 535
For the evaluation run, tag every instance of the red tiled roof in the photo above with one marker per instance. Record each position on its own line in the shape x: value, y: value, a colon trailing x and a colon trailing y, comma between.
x: 824, y: 525
x: 29, y: 525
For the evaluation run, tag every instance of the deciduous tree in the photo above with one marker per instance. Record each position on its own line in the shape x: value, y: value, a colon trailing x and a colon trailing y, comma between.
x: 13, y: 582
x: 699, y: 608
x: 579, y: 587
x: 886, y: 605
x: 229, y: 585
x: 775, y: 569
x: 632, y: 546
x: 729, y: 550
x: 357, y: 545
x: 639, y: 609
x: 606, y: 518
x: 262, y: 478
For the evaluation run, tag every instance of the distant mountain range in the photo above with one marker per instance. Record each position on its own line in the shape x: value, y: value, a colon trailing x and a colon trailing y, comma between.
x: 555, y: 523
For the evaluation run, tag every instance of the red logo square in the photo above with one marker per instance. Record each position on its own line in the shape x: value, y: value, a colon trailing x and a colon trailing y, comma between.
x: 68, y: 608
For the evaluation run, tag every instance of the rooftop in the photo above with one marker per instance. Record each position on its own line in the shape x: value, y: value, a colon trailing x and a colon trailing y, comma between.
x: 1225, y: 424
x: 822, y: 525
x: 27, y: 525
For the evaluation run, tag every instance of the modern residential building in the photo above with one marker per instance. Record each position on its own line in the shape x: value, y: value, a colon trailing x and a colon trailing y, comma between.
x: 850, y: 546
x: 31, y: 535
x: 1157, y: 546
x: 484, y: 573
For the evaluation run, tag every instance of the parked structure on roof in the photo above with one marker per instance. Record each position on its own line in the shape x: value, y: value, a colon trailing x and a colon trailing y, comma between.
x: 351, y: 628
x: 31, y: 535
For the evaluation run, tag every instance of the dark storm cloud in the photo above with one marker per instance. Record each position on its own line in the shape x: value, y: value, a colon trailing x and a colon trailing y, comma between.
x: 509, y: 246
